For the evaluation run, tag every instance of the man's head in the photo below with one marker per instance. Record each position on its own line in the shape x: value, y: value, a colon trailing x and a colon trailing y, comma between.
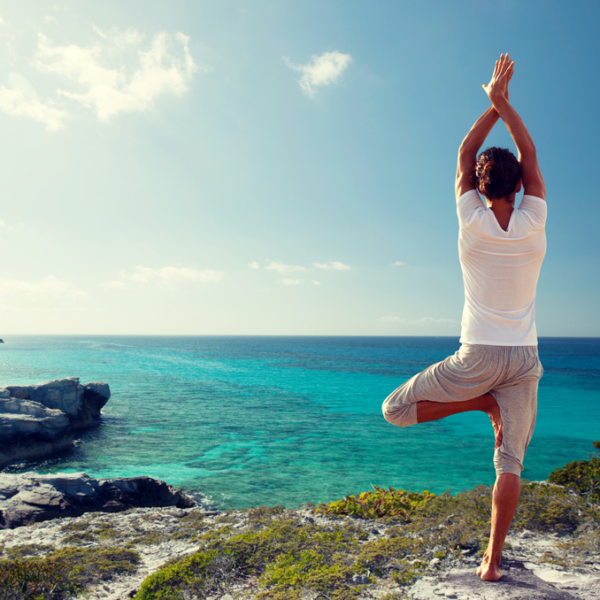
x: 497, y: 173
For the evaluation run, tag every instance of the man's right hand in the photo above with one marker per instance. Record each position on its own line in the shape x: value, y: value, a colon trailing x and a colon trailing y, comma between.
x: 497, y: 88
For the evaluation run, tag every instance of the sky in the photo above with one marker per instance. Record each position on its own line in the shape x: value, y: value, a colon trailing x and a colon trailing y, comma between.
x: 275, y: 167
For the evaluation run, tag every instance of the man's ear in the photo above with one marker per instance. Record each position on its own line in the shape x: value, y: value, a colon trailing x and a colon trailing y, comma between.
x: 519, y: 186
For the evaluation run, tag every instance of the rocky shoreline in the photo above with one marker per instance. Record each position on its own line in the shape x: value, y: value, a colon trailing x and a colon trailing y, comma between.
x: 538, y: 565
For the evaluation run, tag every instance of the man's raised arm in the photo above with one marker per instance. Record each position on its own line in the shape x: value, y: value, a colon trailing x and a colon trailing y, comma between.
x: 533, y: 182
x: 467, y: 153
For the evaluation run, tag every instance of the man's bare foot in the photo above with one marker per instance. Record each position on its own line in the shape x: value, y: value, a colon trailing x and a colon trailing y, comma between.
x: 493, y: 412
x: 489, y: 571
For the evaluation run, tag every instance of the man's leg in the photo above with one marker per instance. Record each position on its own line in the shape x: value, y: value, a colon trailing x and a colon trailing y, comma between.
x: 433, y: 411
x: 504, y: 506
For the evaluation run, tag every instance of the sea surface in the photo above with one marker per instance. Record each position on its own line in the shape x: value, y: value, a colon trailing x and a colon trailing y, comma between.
x: 289, y: 420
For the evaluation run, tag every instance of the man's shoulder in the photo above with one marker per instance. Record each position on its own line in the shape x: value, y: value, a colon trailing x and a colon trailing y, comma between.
x: 534, y: 209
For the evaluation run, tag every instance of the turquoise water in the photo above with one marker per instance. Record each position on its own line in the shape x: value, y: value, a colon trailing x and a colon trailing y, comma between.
x: 282, y: 420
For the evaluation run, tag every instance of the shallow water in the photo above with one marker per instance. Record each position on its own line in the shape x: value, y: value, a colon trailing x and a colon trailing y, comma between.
x: 288, y: 420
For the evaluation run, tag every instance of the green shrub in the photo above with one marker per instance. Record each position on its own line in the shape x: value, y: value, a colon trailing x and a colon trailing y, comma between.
x: 180, y: 579
x: 90, y: 566
x: 583, y: 476
x: 549, y: 508
x: 82, y: 537
x: 35, y: 579
x: 378, y: 503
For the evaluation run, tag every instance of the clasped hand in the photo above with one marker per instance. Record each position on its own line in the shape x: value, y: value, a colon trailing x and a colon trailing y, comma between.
x: 497, y: 88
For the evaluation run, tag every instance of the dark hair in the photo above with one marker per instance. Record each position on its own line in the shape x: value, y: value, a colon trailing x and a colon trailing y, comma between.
x: 497, y: 173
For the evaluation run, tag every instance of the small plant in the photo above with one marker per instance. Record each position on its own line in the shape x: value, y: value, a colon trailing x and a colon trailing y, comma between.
x: 264, y: 514
x: 582, y: 476
x: 74, y: 526
x: 63, y: 573
x: 148, y: 538
x: 83, y: 537
x: 378, y: 503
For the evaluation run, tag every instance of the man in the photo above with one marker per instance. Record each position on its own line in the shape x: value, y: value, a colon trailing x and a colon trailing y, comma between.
x: 501, y: 249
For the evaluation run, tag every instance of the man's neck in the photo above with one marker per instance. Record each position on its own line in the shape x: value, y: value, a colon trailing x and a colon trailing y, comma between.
x: 502, y: 209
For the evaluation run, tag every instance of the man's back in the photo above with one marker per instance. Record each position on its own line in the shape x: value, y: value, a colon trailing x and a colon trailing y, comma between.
x: 500, y: 271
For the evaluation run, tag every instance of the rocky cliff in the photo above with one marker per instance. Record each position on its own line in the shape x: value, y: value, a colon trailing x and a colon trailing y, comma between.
x: 38, y: 420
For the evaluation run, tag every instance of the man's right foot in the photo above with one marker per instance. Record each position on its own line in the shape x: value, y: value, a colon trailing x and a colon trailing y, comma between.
x: 493, y: 412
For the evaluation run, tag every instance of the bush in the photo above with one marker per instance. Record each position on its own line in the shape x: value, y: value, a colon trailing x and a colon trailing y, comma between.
x: 582, y: 476
x: 36, y: 579
x: 378, y: 503
x: 549, y: 508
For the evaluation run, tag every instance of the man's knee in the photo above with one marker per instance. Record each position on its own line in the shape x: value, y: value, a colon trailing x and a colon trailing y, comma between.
x: 402, y: 415
x: 507, y: 463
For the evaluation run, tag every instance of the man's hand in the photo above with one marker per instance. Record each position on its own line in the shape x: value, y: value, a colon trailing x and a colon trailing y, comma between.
x: 497, y: 88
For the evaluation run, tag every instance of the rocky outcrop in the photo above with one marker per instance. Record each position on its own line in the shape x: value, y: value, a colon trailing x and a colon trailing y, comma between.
x: 30, y: 498
x: 38, y: 420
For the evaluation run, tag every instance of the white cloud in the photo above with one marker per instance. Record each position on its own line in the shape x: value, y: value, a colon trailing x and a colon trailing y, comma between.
x: 316, y: 282
x: 165, y: 276
x: 50, y: 19
x: 291, y: 281
x: 332, y: 265
x: 277, y: 265
x: 323, y: 70
x: 3, y: 225
x: 398, y: 264
x: 49, y: 286
x: 254, y: 265
x: 164, y: 66
x: 13, y: 102
x: 421, y: 321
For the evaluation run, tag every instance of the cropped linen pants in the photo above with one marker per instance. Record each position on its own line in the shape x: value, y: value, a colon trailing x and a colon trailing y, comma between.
x: 509, y: 373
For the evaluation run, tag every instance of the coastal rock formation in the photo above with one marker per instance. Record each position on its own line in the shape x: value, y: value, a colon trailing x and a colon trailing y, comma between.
x: 30, y: 498
x: 38, y: 420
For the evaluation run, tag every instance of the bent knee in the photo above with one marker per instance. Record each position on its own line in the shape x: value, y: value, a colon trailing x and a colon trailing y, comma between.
x: 402, y: 415
x: 505, y: 462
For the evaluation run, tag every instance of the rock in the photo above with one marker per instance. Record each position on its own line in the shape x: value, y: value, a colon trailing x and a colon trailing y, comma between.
x: 38, y: 420
x: 31, y: 498
x: 518, y: 583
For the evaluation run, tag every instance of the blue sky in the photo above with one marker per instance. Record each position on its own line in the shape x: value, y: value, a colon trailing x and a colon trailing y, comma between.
x: 275, y: 167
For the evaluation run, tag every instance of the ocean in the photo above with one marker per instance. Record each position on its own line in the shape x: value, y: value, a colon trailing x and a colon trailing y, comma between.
x: 288, y: 420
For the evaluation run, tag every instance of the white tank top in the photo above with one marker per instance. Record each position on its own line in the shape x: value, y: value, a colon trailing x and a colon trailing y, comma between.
x: 500, y: 271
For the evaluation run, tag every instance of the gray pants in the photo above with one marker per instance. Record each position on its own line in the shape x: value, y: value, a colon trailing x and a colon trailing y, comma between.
x: 510, y: 373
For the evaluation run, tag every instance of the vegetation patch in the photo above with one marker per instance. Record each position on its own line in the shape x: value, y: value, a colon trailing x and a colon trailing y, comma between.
x: 75, y: 526
x: 292, y: 557
x: 64, y: 572
x: 378, y: 503
x: 84, y: 537
x: 15, y: 552
x: 582, y: 476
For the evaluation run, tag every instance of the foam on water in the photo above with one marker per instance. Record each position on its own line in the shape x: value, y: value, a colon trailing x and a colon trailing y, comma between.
x: 270, y: 420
